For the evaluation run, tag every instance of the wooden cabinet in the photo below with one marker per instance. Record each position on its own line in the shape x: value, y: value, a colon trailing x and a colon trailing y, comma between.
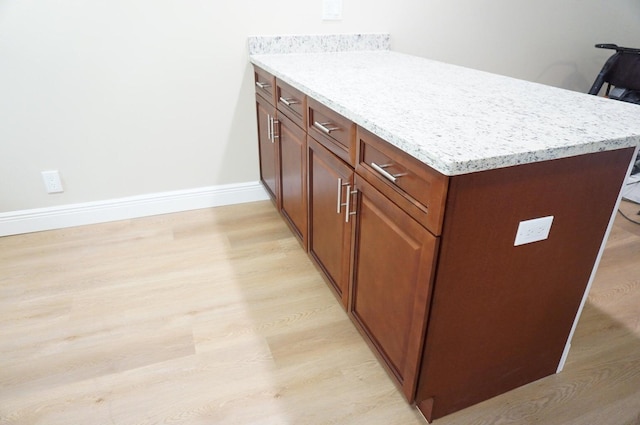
x: 330, y: 225
x: 366, y: 233
x: 501, y: 314
x: 426, y: 265
x: 282, y: 142
x: 293, y: 176
x: 292, y: 102
x: 334, y: 131
x: 393, y: 270
x: 268, y: 147
x: 399, y: 213
x: 416, y: 188
x: 330, y: 157
x: 265, y: 84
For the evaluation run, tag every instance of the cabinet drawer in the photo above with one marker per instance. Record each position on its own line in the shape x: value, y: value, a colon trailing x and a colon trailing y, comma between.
x: 292, y: 102
x: 265, y: 84
x: 333, y: 130
x: 411, y: 184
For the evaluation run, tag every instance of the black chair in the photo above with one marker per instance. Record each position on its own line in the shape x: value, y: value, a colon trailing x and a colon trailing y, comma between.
x: 621, y: 72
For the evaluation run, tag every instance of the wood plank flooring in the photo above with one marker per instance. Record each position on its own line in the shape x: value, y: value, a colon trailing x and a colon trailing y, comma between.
x: 217, y: 316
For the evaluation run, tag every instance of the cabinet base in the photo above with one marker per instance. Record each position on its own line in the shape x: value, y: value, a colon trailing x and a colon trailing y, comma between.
x: 426, y: 408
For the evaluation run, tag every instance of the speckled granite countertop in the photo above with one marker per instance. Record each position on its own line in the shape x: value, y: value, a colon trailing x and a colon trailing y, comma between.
x: 454, y: 119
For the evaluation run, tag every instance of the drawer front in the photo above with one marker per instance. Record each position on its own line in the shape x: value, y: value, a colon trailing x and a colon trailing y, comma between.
x: 410, y: 183
x: 265, y: 84
x: 292, y: 102
x: 333, y: 130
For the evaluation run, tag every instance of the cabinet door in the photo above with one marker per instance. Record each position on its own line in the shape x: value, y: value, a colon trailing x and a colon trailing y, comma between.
x: 293, y: 175
x: 268, y: 147
x: 393, y: 268
x: 330, y: 224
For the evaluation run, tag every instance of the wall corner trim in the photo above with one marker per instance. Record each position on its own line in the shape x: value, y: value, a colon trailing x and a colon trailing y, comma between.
x: 58, y: 217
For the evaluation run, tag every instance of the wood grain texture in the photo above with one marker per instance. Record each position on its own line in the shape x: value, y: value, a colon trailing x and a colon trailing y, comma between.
x: 393, y: 269
x: 204, y: 317
x: 293, y: 175
x: 329, y: 232
x: 601, y: 380
x: 501, y: 313
x: 217, y: 316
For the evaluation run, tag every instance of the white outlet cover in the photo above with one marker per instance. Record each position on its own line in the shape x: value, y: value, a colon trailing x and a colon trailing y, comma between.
x: 534, y: 230
x: 332, y: 10
x: 52, y: 182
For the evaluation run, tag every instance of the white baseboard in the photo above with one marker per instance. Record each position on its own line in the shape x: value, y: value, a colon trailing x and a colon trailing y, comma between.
x: 35, y: 220
x: 563, y: 359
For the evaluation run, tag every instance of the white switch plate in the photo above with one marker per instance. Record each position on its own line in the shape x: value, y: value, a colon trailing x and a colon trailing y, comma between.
x: 533, y: 230
x: 331, y: 10
x: 52, y: 181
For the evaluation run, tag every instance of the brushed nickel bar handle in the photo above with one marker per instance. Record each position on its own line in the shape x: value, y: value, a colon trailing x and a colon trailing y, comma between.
x: 322, y: 126
x: 387, y: 175
x: 348, y: 204
x: 340, y: 203
x: 269, y: 127
x: 347, y: 211
x: 339, y: 196
x: 263, y: 85
x: 274, y: 122
x: 288, y: 102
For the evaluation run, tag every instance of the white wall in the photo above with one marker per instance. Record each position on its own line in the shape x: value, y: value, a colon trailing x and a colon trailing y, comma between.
x: 130, y: 97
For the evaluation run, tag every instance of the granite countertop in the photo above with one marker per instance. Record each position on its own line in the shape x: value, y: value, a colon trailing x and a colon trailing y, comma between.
x: 454, y: 119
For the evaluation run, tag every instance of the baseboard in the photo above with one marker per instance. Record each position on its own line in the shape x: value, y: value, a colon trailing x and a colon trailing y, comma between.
x: 39, y: 219
x: 563, y: 359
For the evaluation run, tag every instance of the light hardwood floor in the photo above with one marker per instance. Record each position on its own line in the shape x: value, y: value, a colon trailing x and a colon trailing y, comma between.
x: 217, y: 316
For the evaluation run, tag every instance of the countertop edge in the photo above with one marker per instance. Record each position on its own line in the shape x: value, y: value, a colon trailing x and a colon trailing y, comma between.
x: 453, y: 168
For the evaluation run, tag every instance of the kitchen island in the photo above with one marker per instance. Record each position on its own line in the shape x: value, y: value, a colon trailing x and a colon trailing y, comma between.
x: 457, y: 215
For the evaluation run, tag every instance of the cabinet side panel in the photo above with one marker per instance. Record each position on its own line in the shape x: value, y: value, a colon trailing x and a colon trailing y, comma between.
x: 501, y: 313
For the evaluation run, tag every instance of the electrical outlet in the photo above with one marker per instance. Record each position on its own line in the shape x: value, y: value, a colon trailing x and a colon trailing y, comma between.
x: 533, y: 230
x: 332, y: 10
x: 52, y: 182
